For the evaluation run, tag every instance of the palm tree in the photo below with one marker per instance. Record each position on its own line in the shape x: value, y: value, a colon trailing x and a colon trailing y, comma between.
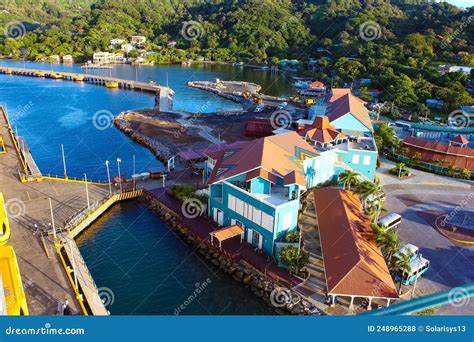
x: 400, y: 167
x: 349, y: 178
x: 402, y: 262
x: 367, y: 189
x: 387, y: 240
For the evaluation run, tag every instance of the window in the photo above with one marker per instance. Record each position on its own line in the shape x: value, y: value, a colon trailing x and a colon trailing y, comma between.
x: 267, y: 222
x: 239, y: 207
x: 231, y: 204
x: 355, y: 159
x: 257, y: 216
x: 286, y: 221
x: 366, y: 160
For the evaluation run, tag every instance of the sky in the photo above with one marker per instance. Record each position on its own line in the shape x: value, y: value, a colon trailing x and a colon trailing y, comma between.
x: 462, y: 3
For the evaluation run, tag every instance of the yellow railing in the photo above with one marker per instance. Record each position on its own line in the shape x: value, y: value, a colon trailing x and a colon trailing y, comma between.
x: 15, y: 142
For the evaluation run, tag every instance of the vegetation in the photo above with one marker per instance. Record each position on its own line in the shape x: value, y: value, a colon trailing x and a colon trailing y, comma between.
x: 399, y: 170
x: 292, y: 236
x: 293, y: 259
x: 184, y: 192
x: 332, y: 39
x: 349, y: 178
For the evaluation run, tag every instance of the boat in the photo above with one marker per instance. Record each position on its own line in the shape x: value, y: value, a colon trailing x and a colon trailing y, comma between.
x: 40, y: 74
x: 56, y: 76
x: 301, y: 84
x: 78, y: 78
x: 112, y: 84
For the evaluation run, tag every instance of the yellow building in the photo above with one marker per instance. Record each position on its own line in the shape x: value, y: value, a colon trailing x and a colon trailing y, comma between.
x: 12, y: 296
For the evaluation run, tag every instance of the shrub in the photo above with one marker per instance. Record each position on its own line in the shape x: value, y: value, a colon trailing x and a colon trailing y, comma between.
x: 292, y: 259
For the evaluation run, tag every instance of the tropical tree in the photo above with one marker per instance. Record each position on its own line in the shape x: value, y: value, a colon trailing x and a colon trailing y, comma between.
x: 349, y: 178
x: 387, y: 240
x: 402, y: 263
x: 367, y: 190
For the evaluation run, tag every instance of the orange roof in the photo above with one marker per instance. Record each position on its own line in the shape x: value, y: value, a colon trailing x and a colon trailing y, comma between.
x: 278, y: 155
x: 261, y: 173
x: 353, y: 262
x: 317, y: 84
x: 461, y: 157
x: 341, y: 102
x: 460, y: 139
x: 323, y: 131
x: 227, y: 232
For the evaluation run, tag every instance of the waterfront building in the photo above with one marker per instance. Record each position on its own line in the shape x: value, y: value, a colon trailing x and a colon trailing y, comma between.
x: 107, y: 57
x: 68, y: 59
x: 12, y: 295
x: 354, y: 265
x: 116, y: 41
x: 436, y: 152
x: 127, y: 48
x: 257, y: 186
x: 346, y: 112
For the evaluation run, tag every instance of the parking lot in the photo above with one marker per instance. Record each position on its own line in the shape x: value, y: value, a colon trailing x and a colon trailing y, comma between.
x: 421, y: 199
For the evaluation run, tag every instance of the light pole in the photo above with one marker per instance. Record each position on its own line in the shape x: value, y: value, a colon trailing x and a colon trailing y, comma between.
x: 64, y: 161
x: 52, y: 219
x: 108, y: 176
x: 133, y: 172
x: 87, y: 194
x: 164, y: 176
x: 120, y: 177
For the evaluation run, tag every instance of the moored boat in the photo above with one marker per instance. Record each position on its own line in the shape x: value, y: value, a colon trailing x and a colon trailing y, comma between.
x: 112, y: 84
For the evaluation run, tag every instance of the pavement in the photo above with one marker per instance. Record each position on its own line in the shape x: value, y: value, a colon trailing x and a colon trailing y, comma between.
x: 420, y: 199
x: 27, y: 204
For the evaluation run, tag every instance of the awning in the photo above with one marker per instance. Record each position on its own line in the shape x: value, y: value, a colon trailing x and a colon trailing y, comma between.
x: 227, y: 233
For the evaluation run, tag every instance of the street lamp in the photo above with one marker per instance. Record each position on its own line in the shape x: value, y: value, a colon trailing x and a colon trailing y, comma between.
x: 87, y: 194
x: 120, y: 177
x: 108, y: 176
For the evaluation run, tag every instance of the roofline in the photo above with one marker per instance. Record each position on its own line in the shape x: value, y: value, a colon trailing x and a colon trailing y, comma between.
x: 442, y: 152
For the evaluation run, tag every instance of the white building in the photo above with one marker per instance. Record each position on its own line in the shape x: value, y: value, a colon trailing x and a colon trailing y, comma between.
x: 127, y: 48
x: 107, y: 57
x: 67, y: 59
x: 138, y: 40
x: 116, y: 41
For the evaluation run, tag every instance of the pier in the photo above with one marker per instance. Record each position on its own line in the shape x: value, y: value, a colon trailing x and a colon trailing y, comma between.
x: 45, y: 281
x: 165, y: 94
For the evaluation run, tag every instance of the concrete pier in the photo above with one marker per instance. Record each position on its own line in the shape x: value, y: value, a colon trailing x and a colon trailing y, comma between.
x: 165, y: 93
x: 45, y: 281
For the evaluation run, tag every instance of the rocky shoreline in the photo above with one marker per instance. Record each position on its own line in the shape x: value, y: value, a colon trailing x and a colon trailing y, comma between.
x: 285, y: 301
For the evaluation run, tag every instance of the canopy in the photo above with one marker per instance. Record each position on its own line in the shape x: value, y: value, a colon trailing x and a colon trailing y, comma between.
x: 227, y: 233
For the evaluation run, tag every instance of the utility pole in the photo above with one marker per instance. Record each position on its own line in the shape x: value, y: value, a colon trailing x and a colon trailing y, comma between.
x: 134, y: 176
x: 64, y: 161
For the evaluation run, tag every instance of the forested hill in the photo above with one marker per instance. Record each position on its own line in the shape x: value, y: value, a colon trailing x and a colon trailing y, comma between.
x: 398, y: 43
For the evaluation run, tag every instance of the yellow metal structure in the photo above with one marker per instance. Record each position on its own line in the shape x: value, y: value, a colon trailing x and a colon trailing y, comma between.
x: 112, y: 84
x: 2, y: 146
x: 10, y: 277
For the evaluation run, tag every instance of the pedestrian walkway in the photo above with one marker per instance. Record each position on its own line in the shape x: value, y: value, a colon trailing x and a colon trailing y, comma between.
x: 314, y: 288
x: 202, y: 227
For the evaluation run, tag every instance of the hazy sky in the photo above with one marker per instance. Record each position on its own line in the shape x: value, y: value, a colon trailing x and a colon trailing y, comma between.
x: 462, y: 3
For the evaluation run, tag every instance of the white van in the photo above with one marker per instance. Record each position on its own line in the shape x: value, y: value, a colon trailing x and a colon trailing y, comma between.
x: 390, y: 221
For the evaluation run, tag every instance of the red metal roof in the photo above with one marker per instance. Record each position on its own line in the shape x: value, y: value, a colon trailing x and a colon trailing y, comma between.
x: 353, y: 263
x: 432, y: 151
x: 460, y: 139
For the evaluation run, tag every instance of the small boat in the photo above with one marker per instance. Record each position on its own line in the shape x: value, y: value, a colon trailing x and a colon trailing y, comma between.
x: 8, y: 72
x: 40, y: 74
x: 112, y: 84
x: 56, y: 76
x: 78, y: 78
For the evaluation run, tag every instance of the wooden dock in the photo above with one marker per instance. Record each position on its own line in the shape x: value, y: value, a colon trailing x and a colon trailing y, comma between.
x: 165, y: 94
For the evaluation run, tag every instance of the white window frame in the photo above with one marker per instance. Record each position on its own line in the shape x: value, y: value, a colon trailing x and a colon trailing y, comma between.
x: 355, y: 159
x: 366, y: 160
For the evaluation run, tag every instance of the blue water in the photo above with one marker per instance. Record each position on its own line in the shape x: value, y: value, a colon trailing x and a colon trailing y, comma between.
x: 54, y: 112
x: 142, y: 268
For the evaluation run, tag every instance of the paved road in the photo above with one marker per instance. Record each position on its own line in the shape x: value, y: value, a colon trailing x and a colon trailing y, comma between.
x: 420, y: 199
